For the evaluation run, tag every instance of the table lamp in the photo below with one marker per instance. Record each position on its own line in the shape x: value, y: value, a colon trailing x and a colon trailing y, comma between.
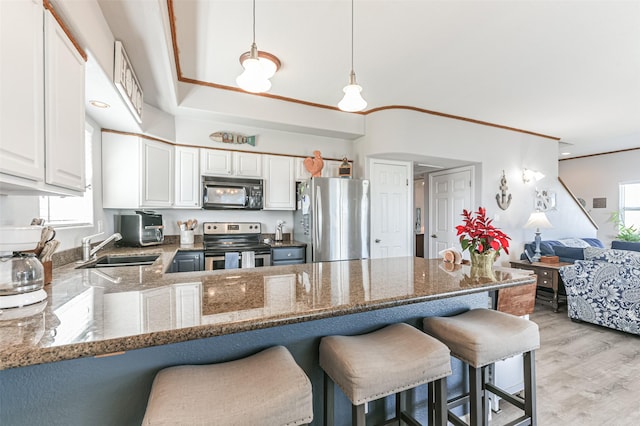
x: 538, y: 220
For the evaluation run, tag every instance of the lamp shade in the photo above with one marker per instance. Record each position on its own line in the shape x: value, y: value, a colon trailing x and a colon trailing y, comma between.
x: 538, y: 220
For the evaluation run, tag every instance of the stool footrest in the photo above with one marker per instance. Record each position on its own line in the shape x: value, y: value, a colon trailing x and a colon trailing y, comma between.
x: 520, y: 421
x: 458, y: 401
x: 511, y: 399
x: 455, y: 420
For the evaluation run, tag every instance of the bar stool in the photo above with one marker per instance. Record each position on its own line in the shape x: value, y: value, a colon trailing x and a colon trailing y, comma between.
x: 267, y: 388
x: 385, y: 362
x: 481, y: 337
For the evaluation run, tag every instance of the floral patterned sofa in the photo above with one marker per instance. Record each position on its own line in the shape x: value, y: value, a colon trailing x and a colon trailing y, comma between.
x: 604, y: 288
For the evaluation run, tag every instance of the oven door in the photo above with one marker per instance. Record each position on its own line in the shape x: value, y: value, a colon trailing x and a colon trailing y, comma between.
x: 214, y: 262
x: 224, y: 196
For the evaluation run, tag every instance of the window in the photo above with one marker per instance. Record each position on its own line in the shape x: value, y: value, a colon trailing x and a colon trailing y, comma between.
x: 72, y: 211
x: 630, y: 204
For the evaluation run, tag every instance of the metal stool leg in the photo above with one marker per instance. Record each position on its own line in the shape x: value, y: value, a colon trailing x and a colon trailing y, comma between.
x: 476, y: 398
x: 530, y: 386
x: 328, y: 400
x: 358, y: 417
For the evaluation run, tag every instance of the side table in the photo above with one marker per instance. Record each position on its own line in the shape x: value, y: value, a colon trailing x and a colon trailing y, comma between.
x: 548, y: 276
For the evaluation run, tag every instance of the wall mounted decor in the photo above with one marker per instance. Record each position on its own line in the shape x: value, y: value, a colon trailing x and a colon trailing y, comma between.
x: 229, y: 137
x: 545, y: 200
x: 126, y: 82
x: 503, y: 199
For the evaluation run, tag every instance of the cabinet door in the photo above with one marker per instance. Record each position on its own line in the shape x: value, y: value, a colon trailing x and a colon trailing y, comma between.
x: 247, y: 164
x: 279, y: 183
x: 21, y: 89
x: 64, y: 109
x: 215, y: 162
x: 301, y: 171
x: 188, y: 261
x: 187, y: 184
x: 157, y: 174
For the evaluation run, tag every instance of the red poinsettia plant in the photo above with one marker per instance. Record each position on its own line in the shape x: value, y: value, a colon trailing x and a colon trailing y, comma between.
x: 478, y: 234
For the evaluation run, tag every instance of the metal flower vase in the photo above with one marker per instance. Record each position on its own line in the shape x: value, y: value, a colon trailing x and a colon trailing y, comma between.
x: 482, y: 264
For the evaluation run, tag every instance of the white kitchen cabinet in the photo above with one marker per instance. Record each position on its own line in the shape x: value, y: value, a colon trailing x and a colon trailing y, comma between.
x: 215, y: 162
x: 279, y: 183
x: 187, y: 182
x: 247, y: 164
x: 301, y: 171
x: 157, y: 174
x: 136, y: 172
x: 41, y: 103
x: 21, y: 105
x: 64, y: 109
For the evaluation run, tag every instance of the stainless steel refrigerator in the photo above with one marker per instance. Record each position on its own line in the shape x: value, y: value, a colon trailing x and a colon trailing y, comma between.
x: 332, y: 217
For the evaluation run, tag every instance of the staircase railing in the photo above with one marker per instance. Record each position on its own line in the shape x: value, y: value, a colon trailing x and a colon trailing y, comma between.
x: 584, y: 210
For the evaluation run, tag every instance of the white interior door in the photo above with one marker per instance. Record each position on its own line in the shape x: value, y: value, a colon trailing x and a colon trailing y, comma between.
x: 391, y: 221
x: 450, y: 193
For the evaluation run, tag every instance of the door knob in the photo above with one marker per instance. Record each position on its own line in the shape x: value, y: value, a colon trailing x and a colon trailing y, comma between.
x: 377, y: 240
x: 434, y: 236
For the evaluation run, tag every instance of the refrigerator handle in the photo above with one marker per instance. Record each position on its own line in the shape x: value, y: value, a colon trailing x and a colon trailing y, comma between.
x: 317, y: 217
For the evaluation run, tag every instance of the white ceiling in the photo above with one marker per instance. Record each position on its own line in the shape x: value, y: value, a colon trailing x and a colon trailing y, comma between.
x: 569, y: 69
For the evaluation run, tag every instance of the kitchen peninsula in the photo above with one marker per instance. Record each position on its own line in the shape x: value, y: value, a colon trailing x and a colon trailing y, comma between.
x: 90, y: 356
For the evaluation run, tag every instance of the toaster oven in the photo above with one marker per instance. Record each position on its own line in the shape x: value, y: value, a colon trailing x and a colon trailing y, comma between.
x: 143, y: 228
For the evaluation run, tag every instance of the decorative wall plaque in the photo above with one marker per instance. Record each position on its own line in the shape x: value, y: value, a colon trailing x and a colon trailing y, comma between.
x: 126, y: 82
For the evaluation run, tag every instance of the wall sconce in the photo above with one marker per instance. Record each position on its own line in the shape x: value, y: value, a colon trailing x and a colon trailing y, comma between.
x: 529, y: 175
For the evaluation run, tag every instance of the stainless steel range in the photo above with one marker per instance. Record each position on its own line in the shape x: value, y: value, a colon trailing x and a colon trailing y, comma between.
x: 227, y: 245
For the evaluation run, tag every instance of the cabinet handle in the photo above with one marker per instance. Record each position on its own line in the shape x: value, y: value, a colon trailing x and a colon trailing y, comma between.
x: 434, y: 236
x: 377, y: 240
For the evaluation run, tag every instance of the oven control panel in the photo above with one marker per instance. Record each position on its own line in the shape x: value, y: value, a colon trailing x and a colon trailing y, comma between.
x: 226, y: 228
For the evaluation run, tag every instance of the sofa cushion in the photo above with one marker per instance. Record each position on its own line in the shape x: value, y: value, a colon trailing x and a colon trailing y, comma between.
x: 574, y: 242
x: 625, y: 245
x: 621, y: 257
x: 569, y: 254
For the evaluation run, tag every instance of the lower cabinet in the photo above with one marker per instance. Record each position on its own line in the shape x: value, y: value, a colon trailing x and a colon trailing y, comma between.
x: 288, y: 255
x: 188, y: 261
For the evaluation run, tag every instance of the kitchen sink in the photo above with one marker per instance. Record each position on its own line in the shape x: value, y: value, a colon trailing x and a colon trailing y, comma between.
x: 115, y: 260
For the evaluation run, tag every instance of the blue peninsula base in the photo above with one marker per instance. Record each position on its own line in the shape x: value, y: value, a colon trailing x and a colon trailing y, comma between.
x: 114, y: 390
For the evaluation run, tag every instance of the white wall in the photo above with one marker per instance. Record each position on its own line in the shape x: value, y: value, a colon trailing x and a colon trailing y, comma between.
x: 393, y: 131
x: 192, y: 131
x: 599, y: 177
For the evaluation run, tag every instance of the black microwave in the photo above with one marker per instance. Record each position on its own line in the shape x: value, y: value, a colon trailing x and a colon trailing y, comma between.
x: 231, y: 193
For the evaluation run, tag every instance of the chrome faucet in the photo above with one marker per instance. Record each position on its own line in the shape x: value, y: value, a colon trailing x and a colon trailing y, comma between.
x: 88, y: 253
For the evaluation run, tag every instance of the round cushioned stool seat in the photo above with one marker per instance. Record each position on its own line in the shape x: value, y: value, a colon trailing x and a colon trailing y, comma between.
x: 267, y: 388
x: 387, y: 361
x: 482, y: 336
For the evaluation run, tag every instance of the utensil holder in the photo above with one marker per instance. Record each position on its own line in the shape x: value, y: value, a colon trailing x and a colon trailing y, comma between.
x: 186, y: 237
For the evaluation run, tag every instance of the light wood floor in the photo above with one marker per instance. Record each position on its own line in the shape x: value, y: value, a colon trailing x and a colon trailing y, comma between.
x: 586, y: 375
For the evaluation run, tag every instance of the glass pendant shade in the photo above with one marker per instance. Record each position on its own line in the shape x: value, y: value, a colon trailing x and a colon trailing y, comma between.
x: 352, y: 100
x: 253, y: 79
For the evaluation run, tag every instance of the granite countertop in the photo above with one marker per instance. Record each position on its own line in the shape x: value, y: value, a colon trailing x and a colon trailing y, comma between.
x: 102, y: 311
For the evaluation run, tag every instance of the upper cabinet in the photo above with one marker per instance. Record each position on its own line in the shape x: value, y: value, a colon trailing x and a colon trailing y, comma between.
x: 41, y: 103
x: 64, y: 109
x: 136, y: 172
x: 330, y: 168
x: 187, y: 182
x: 21, y: 105
x: 247, y: 164
x: 279, y: 183
x: 217, y: 162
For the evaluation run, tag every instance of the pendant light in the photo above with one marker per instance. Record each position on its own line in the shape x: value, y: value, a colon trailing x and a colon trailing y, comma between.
x: 352, y: 100
x: 259, y: 67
